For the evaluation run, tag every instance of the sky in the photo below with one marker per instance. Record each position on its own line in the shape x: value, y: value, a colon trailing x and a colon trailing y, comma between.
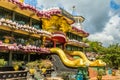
x: 101, y: 21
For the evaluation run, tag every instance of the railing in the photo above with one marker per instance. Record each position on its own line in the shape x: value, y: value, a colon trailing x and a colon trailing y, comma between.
x: 13, y: 75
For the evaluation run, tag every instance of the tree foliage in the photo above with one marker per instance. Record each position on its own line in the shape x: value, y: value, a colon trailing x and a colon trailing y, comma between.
x: 110, y: 54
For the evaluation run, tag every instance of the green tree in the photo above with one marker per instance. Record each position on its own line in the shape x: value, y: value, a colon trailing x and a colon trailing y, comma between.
x: 94, y: 46
x: 110, y: 54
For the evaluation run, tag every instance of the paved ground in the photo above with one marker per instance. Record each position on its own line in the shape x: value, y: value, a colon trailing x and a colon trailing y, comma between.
x: 109, y: 77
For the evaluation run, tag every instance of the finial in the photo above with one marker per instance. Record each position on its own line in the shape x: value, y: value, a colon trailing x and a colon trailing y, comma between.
x: 73, y: 7
x: 74, y: 12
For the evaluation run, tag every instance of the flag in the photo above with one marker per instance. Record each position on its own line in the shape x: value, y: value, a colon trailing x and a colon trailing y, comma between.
x: 114, y: 5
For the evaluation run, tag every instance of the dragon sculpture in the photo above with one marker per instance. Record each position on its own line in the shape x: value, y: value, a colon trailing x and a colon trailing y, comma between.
x: 79, y: 62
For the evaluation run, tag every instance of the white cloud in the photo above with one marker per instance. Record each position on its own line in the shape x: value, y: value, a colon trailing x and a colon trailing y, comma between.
x: 103, y: 26
x: 110, y: 33
x: 95, y: 12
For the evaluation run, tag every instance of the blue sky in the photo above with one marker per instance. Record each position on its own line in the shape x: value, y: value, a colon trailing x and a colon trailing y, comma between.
x: 101, y: 21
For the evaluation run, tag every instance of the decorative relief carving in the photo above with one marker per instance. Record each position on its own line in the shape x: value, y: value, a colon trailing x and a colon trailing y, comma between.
x: 56, y: 23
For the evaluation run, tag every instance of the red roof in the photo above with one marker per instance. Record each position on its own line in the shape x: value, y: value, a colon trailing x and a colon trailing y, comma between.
x: 80, y: 31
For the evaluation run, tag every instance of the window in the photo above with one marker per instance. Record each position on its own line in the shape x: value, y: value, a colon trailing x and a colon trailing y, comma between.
x: 79, y: 38
x: 68, y: 47
x: 3, y: 34
x: 21, y: 19
x: 75, y: 48
x: 34, y: 57
x: 68, y: 34
x: 38, y: 42
x: 4, y: 55
x: 20, y: 57
x: 74, y: 36
x: 80, y: 49
x: 4, y: 13
x: 37, y: 24
x: 4, y: 58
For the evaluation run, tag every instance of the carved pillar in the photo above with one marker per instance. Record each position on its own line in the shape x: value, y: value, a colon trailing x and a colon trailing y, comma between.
x: 54, y: 43
x: 43, y: 41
